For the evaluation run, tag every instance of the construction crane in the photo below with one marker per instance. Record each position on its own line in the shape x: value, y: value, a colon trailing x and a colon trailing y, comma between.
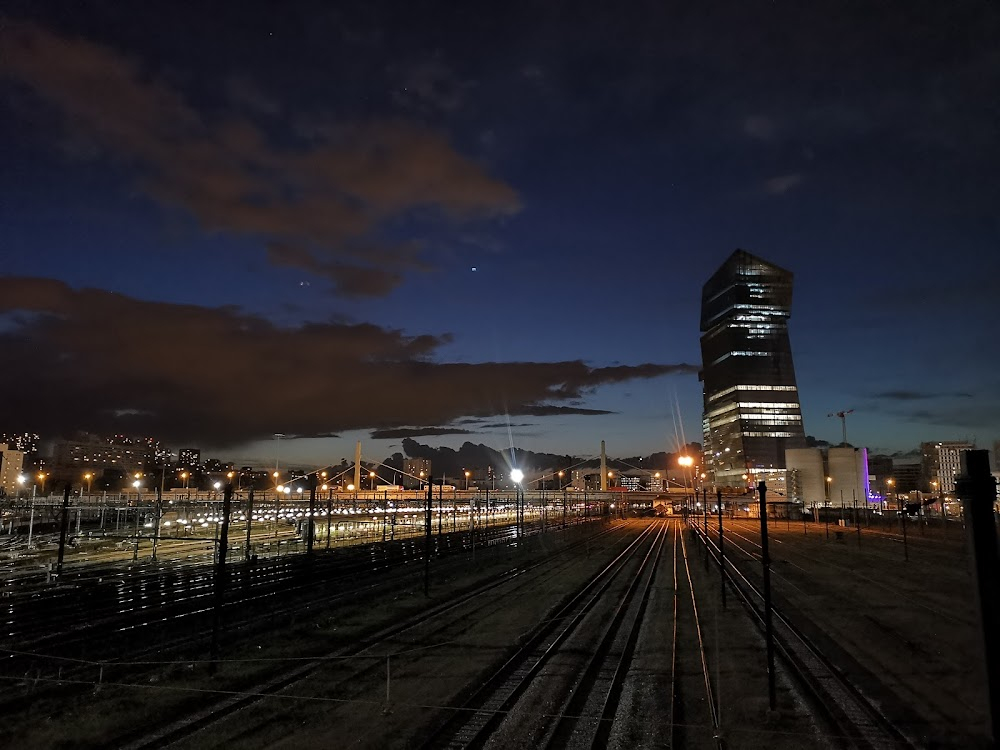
x: 843, y: 420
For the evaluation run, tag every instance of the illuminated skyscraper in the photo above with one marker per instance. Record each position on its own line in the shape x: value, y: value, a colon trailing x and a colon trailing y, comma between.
x: 752, y: 413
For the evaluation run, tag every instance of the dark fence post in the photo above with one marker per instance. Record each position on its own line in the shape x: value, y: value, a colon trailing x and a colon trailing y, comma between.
x: 976, y: 487
x: 768, y: 630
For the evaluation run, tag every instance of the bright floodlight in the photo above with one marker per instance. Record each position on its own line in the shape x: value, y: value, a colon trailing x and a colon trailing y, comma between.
x: 516, y: 476
x: 136, y: 484
x: 217, y: 485
x: 21, y: 479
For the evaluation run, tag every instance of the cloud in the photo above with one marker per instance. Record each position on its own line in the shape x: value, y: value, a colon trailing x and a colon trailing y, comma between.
x: 904, y: 395
x: 981, y: 416
x: 109, y: 363
x: 782, y: 184
x: 322, y: 203
x: 411, y: 432
x: 547, y: 410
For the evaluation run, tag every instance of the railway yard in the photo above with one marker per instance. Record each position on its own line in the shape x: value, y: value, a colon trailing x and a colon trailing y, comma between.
x: 596, y: 633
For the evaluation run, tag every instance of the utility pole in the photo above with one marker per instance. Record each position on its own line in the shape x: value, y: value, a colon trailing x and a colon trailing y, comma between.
x: 604, y: 469
x: 357, y: 469
x: 768, y: 629
x: 977, y: 489
x: 312, y: 512
x: 843, y: 420
x: 220, y: 574
x: 427, y: 537
x: 63, y: 525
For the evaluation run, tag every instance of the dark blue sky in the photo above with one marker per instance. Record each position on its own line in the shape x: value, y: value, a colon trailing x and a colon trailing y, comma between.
x: 344, y: 169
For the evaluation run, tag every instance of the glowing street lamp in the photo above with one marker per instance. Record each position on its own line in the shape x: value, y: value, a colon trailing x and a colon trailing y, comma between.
x: 516, y: 476
x: 41, y: 479
x: 89, y: 477
x: 467, y: 475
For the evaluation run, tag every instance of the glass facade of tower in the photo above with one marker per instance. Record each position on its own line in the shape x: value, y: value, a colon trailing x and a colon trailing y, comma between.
x: 752, y: 413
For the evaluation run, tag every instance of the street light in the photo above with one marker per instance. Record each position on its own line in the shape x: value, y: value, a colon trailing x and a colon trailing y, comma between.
x: 89, y: 477
x: 467, y: 475
x: 687, y: 462
x: 560, y: 479
x: 516, y: 475
x: 41, y: 478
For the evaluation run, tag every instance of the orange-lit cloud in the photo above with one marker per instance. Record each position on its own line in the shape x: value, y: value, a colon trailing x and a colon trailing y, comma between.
x: 105, y: 362
x: 321, y: 203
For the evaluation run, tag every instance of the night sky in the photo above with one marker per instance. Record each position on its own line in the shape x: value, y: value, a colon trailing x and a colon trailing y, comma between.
x: 460, y: 221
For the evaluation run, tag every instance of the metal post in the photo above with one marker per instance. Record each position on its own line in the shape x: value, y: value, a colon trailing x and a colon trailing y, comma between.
x: 857, y: 520
x: 135, y: 552
x: 722, y: 553
x: 427, y: 537
x: 312, y: 512
x: 704, y: 503
x: 902, y: 508
x: 249, y: 520
x: 64, y: 523
x: 220, y: 572
x: 976, y: 487
x: 329, y: 512
x: 31, y: 522
x: 766, y: 560
x: 159, y: 514
x: 440, y: 505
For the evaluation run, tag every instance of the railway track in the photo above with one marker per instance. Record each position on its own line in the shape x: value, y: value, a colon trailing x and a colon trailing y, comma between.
x: 850, y: 714
x: 87, y: 627
x: 364, y: 660
x: 506, y: 701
